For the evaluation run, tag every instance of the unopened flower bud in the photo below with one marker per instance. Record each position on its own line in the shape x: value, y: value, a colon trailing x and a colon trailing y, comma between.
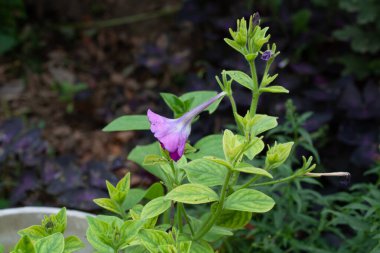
x: 266, y: 55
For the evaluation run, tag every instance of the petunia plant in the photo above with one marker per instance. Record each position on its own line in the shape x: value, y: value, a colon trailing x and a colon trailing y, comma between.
x: 219, y: 174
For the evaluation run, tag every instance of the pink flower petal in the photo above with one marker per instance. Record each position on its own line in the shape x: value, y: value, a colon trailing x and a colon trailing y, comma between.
x: 170, y: 141
x: 173, y: 133
x: 158, y: 122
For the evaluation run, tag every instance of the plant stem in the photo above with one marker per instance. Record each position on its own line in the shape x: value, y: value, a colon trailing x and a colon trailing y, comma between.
x: 255, y: 92
x: 267, y: 66
x: 249, y: 182
x: 179, y: 217
x: 186, y: 218
x: 234, y: 110
x: 206, y: 226
x: 282, y: 180
x: 166, y: 217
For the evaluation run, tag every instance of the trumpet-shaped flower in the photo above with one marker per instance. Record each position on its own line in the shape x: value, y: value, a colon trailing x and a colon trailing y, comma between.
x: 173, y: 133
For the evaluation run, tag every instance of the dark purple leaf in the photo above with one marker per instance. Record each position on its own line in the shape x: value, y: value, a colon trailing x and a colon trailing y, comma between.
x: 98, y: 174
x: 27, y: 182
x: 81, y: 198
x: 10, y: 129
x: 66, y: 175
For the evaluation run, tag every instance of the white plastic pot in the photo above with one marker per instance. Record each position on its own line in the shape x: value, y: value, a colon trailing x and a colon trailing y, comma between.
x: 15, y: 219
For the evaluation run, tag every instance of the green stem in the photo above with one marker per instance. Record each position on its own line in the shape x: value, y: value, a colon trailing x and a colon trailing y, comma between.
x: 267, y: 66
x: 166, y: 217
x: 254, y: 179
x: 186, y: 218
x: 206, y: 226
x: 235, y: 177
x: 234, y: 110
x: 282, y: 180
x: 179, y: 218
x: 255, y: 92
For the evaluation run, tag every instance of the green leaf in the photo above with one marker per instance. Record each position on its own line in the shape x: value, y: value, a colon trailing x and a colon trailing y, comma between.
x: 199, y: 97
x: 138, y: 155
x: 255, y: 149
x: 249, y: 200
x: 128, y: 122
x: 62, y: 218
x: 247, y: 168
x: 208, y: 146
x: 155, y: 207
x: 234, y: 45
x: 233, y: 219
x: 154, y: 238
x: 201, y: 247
x: 167, y: 248
x: 54, y: 243
x: 110, y: 219
x: 115, y: 194
x: 205, y: 172
x: 72, y: 244
x: 153, y: 160
x: 263, y: 123
x: 242, y: 78
x: 216, y: 233
x: 154, y: 191
x: 174, y: 103
x: 108, y: 204
x: 124, y: 184
x: 231, y: 145
x: 134, y: 197
x: 274, y: 89
x: 129, y: 231
x: 185, y: 246
x: 34, y: 232
x: 192, y: 194
x: 268, y: 80
x: 93, y: 238
x: 305, y: 134
x: 96, y: 224
x: 218, y: 161
x: 136, y: 249
x: 24, y: 245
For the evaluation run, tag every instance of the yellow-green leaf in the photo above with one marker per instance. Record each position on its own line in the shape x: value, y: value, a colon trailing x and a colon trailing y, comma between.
x: 192, y: 194
x: 249, y: 200
x: 274, y: 89
x: 155, y: 207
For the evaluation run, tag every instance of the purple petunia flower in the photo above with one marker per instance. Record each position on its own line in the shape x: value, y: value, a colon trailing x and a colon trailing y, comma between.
x: 173, y: 133
x: 266, y: 55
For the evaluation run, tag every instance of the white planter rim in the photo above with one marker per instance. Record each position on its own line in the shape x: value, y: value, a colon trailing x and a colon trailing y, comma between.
x: 42, y: 210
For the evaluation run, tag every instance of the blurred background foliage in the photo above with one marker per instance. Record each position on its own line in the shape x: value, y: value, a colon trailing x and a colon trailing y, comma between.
x: 67, y: 68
